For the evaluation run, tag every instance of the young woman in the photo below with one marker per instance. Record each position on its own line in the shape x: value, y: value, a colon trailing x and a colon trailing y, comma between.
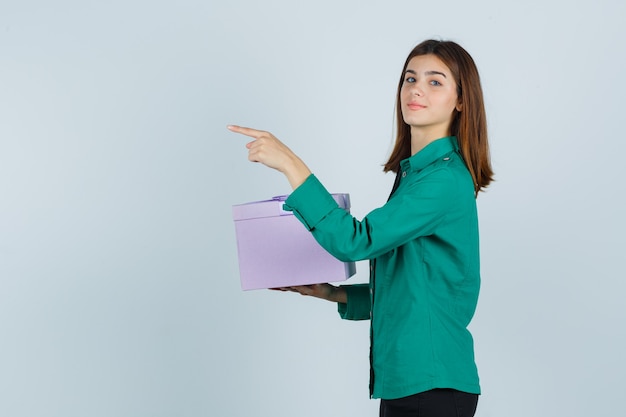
x: 422, y: 244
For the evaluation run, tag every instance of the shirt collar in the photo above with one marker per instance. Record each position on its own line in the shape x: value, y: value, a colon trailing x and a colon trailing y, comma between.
x: 430, y: 153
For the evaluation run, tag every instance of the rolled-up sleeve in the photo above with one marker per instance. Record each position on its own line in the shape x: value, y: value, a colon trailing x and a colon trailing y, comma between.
x: 358, y: 306
x: 311, y: 202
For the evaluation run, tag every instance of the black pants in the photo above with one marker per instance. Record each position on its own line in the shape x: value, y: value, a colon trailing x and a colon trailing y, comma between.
x: 433, y: 403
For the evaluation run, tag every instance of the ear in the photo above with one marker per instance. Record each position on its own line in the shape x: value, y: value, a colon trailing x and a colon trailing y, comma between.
x: 459, y: 105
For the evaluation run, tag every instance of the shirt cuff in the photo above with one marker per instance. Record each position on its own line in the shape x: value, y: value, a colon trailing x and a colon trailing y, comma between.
x: 310, y: 202
x: 358, y: 306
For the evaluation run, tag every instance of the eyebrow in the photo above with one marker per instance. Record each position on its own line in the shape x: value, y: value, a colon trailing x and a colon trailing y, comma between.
x: 428, y: 73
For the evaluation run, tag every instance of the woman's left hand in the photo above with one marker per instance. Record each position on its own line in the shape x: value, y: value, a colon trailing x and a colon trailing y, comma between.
x: 324, y: 291
x: 268, y: 150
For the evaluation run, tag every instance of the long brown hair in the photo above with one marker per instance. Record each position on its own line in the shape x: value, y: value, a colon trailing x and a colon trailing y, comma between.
x: 469, y: 125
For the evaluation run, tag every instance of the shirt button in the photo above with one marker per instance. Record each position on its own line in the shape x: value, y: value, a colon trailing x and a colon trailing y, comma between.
x: 403, y: 174
x: 446, y: 159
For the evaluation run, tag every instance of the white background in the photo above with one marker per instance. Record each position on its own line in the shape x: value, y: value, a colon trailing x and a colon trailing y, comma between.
x: 119, y: 287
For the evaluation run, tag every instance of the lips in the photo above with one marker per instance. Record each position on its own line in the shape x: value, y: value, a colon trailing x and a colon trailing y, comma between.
x: 415, y: 106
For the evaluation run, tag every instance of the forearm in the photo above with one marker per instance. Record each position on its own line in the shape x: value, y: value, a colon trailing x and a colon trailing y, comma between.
x: 295, y: 171
x: 337, y: 294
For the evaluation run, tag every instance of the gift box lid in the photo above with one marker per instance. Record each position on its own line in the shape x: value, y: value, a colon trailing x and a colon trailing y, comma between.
x: 274, y: 207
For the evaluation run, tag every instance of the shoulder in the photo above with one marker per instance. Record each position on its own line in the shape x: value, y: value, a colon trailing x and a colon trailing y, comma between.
x: 445, y: 183
x: 448, y: 171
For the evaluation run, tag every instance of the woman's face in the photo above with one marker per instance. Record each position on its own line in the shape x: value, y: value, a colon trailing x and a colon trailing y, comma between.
x: 428, y: 97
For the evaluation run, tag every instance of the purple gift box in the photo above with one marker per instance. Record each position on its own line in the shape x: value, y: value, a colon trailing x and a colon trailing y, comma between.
x: 276, y: 250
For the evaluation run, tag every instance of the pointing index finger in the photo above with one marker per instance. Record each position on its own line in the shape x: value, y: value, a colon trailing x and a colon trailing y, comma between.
x: 253, y: 133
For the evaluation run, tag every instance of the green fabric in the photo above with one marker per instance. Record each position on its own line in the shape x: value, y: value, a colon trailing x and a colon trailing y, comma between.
x: 359, y: 305
x: 424, y: 277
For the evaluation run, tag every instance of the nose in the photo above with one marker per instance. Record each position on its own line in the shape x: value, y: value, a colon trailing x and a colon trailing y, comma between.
x: 417, y: 91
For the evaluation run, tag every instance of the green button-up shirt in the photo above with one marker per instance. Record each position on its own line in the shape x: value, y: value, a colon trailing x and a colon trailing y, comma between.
x: 424, y: 279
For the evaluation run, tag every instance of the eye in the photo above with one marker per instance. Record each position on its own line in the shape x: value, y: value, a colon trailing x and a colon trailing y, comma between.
x: 409, y: 80
x: 435, y: 83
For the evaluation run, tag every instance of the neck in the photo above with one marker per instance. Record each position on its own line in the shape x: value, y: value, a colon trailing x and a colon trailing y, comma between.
x: 420, y: 139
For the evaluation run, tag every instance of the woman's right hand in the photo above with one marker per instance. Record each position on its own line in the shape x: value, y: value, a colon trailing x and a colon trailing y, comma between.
x: 323, y: 291
x: 268, y: 150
